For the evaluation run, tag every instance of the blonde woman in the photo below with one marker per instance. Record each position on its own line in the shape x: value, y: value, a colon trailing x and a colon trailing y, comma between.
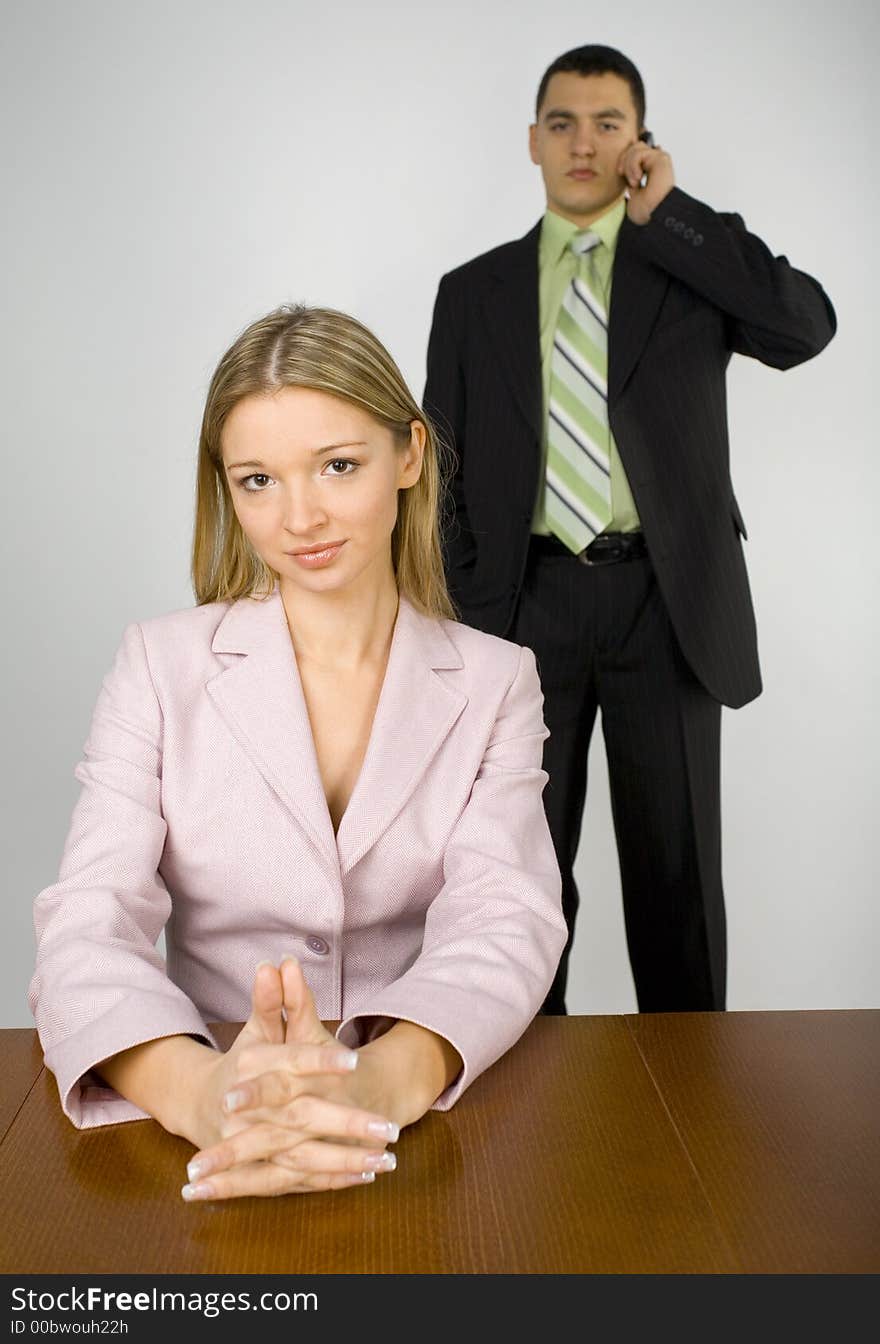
x: 323, y: 788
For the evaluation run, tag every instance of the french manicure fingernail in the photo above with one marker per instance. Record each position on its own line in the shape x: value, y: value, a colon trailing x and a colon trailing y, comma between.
x: 201, y: 1191
x: 265, y: 963
x: 198, y: 1167
x: 384, y: 1129
x: 368, y: 1176
x: 346, y: 1059
x: 233, y: 1101
x: 380, y: 1162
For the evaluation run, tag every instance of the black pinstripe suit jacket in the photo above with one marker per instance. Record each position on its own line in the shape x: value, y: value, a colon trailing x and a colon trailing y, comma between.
x: 689, y: 288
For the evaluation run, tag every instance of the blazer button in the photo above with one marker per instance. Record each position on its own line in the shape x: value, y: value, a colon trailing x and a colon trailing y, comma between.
x: 317, y: 945
x: 679, y: 226
x: 669, y: 222
x: 698, y: 240
x: 689, y: 233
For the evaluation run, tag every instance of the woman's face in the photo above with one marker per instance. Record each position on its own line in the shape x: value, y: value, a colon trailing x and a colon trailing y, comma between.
x: 314, y: 483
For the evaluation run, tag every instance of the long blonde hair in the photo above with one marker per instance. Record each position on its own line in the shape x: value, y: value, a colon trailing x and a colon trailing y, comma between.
x: 295, y: 346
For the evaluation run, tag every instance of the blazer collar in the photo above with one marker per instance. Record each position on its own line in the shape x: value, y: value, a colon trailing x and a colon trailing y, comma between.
x: 260, y: 698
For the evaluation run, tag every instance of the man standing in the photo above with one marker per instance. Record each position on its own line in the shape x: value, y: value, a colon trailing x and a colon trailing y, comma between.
x: 579, y: 374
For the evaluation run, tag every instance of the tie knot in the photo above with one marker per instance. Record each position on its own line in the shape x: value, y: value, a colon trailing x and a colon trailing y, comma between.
x: 584, y: 242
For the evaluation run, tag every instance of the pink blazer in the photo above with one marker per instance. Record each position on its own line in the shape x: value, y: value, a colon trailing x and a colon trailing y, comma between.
x: 202, y: 812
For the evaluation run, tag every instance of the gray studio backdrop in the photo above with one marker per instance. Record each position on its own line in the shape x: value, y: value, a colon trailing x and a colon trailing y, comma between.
x: 173, y: 170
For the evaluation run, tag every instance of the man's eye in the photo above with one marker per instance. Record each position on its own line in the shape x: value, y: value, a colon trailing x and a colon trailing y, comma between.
x: 559, y: 125
x: 608, y: 125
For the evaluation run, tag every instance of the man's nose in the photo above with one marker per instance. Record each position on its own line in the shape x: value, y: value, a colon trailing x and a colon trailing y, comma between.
x: 584, y: 141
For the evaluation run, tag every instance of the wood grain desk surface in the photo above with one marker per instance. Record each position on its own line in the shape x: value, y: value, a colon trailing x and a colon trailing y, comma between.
x: 693, y: 1142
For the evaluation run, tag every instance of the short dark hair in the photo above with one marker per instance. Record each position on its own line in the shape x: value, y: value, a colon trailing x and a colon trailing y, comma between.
x: 596, y: 60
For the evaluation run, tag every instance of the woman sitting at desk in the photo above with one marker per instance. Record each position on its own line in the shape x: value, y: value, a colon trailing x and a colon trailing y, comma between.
x: 319, y: 784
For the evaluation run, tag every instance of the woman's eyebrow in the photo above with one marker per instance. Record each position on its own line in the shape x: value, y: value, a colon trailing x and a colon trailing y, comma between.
x: 332, y: 447
x: 323, y: 448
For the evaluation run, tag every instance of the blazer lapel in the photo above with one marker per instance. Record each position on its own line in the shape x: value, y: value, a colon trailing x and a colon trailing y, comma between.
x: 637, y: 291
x: 259, y: 696
x: 415, y: 713
x: 510, y: 305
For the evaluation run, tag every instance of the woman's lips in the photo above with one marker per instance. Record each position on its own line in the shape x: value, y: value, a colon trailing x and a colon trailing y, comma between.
x: 317, y: 557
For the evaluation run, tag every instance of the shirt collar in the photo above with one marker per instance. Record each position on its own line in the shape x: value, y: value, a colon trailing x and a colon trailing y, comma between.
x: 557, y: 233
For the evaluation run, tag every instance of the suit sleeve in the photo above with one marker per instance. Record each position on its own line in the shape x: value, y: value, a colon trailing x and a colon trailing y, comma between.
x: 100, y: 984
x: 776, y: 314
x: 495, y: 931
x: 444, y: 403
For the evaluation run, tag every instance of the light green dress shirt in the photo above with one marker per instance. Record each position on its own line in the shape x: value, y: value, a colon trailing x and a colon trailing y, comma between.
x: 556, y: 268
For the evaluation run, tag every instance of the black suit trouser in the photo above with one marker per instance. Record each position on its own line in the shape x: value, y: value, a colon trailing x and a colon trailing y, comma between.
x: 603, y: 640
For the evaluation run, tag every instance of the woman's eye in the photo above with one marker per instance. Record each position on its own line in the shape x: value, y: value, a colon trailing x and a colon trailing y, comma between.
x: 341, y: 466
x: 255, y: 483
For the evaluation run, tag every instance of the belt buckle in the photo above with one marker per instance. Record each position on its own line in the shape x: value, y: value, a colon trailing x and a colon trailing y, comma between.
x: 610, y: 554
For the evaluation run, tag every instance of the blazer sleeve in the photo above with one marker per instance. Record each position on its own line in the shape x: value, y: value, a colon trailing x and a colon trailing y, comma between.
x: 100, y: 984
x: 495, y: 931
x: 444, y: 403
x: 776, y: 314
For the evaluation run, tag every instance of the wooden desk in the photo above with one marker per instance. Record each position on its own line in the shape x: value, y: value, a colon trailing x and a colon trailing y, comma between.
x: 723, y: 1143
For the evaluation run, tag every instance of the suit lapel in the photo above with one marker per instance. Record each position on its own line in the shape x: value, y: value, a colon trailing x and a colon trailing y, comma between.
x: 415, y: 713
x: 260, y: 698
x: 637, y: 291
x: 510, y: 305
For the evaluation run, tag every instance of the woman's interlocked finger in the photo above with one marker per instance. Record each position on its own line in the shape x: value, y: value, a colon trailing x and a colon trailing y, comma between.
x: 270, y: 1178
x: 301, y: 1060
x: 263, y: 1141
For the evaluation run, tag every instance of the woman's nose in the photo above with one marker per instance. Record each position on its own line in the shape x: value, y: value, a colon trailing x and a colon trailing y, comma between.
x: 304, y: 512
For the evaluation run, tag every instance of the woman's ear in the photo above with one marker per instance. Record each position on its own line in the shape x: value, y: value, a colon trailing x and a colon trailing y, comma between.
x: 412, y: 455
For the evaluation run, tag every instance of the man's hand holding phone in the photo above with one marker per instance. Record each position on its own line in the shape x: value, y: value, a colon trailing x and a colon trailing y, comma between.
x: 648, y: 172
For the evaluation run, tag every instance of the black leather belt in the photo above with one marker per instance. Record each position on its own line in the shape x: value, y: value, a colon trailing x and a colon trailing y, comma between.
x: 608, y: 549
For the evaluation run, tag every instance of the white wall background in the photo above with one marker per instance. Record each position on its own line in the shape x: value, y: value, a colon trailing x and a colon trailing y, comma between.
x: 172, y: 170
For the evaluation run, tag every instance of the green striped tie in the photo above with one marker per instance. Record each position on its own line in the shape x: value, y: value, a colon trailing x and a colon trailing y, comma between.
x: 578, y: 494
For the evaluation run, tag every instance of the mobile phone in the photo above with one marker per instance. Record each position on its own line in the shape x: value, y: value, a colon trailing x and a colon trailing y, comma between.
x: 648, y: 139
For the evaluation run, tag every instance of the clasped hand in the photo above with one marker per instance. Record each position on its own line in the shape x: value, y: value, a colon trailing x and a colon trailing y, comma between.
x: 288, y: 1109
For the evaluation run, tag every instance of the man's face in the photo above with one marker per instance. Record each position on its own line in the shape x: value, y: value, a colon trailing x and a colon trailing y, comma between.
x: 584, y: 124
